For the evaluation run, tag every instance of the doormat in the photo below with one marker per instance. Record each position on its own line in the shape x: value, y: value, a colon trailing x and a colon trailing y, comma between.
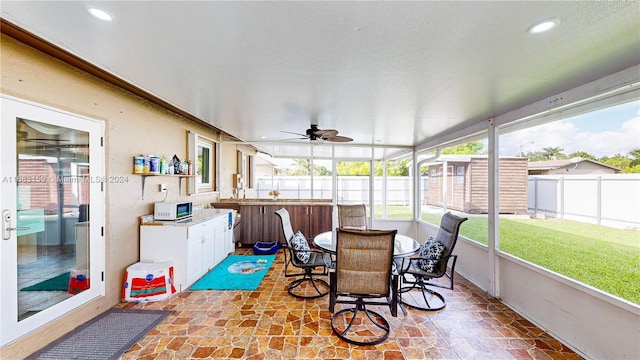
x: 107, y: 336
x: 58, y: 283
x: 236, y: 272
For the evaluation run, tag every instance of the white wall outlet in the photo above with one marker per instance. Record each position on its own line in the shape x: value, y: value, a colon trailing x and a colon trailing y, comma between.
x: 163, y: 187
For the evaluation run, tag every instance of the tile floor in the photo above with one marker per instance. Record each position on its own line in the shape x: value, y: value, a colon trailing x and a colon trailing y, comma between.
x: 268, y: 323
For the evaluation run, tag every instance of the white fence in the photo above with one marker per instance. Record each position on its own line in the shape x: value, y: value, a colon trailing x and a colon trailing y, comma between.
x: 350, y: 188
x: 610, y: 200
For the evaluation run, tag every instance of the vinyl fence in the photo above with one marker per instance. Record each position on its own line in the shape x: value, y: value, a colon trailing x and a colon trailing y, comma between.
x: 610, y: 200
x: 352, y: 189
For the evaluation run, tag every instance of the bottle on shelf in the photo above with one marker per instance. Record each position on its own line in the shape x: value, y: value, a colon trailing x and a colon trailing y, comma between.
x: 163, y: 165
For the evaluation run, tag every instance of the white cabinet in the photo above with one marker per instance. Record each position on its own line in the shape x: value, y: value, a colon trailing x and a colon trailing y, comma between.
x: 193, y: 264
x: 193, y: 249
x: 219, y: 226
x: 229, y: 241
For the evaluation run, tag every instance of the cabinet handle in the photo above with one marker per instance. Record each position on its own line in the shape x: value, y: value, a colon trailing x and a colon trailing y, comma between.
x: 310, y: 211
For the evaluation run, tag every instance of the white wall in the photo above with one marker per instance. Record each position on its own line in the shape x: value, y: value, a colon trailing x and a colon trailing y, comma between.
x: 593, y: 323
x: 590, y: 321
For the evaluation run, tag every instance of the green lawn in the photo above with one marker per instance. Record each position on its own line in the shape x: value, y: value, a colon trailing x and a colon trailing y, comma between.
x: 605, y: 258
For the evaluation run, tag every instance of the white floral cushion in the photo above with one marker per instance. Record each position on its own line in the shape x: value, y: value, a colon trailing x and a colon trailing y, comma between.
x: 300, y: 247
x: 430, y: 250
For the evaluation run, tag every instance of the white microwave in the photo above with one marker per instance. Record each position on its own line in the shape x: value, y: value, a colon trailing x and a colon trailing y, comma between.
x: 172, y: 210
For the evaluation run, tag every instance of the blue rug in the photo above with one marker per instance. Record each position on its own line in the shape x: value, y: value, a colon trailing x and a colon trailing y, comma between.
x: 236, y: 272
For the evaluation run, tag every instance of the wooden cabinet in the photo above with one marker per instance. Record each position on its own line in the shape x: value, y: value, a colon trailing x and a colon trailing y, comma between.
x: 311, y: 220
x: 193, y: 249
x: 259, y: 223
x: 320, y: 219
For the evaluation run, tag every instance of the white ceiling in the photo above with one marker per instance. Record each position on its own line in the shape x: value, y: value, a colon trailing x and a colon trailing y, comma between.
x: 384, y: 73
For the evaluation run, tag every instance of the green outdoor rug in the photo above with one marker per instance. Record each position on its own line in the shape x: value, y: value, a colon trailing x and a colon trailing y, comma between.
x: 236, y: 272
x: 58, y: 283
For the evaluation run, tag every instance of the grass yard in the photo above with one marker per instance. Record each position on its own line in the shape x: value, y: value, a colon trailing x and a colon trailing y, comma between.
x: 603, y: 257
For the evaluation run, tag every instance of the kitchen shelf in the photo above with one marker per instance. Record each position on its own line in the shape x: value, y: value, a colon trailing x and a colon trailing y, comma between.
x: 180, y: 176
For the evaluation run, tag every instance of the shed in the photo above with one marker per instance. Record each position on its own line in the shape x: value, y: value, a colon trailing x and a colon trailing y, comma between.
x: 573, y: 166
x: 466, y: 187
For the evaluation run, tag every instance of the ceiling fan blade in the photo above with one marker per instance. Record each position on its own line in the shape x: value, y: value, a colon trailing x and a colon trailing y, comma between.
x: 338, y: 138
x: 294, y: 133
x: 326, y: 133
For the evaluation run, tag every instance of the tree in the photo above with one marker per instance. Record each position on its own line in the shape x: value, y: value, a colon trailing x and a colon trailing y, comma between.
x: 581, y: 154
x: 618, y: 160
x: 394, y: 168
x: 535, y: 156
x: 470, y: 148
x: 302, y: 167
x: 553, y: 153
x: 635, y: 154
x: 353, y: 168
x: 629, y: 164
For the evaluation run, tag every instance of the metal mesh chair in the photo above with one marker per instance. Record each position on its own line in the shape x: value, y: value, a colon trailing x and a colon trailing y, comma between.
x: 307, y: 285
x: 353, y: 217
x: 361, y: 277
x: 432, y: 262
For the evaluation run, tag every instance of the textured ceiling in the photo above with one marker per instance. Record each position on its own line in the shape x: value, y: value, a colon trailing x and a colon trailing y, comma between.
x: 384, y: 73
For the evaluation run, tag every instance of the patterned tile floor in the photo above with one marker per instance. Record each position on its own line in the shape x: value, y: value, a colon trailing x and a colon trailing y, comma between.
x: 268, y: 323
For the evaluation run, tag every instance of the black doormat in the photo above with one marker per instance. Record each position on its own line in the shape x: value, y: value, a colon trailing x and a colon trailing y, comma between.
x: 107, y: 336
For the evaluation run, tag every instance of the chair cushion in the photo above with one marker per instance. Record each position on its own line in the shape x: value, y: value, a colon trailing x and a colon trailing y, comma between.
x: 430, y: 250
x: 300, y: 247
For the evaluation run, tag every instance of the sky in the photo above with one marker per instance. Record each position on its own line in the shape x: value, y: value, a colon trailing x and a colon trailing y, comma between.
x: 606, y: 132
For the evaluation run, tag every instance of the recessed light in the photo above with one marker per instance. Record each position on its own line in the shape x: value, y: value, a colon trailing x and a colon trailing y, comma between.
x: 101, y: 14
x: 543, y: 26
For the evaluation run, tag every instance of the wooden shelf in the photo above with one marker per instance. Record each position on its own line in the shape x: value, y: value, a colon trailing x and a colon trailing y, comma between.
x: 180, y: 176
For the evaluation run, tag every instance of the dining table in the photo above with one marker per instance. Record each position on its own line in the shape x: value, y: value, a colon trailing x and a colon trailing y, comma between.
x: 403, y: 246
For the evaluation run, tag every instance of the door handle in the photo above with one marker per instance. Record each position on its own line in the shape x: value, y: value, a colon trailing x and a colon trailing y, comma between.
x: 6, y: 225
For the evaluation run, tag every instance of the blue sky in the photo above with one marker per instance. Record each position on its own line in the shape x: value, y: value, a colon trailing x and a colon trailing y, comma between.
x: 606, y: 132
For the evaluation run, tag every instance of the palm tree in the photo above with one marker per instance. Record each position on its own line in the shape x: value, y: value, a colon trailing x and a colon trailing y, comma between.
x: 552, y: 153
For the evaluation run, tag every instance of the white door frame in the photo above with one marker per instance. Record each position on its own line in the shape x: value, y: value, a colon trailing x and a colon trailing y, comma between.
x: 12, y: 108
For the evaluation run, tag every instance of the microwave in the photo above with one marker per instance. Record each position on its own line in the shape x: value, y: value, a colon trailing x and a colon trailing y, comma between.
x: 172, y: 210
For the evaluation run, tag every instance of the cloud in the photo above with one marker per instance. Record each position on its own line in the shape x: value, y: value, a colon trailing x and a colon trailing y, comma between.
x: 568, y: 135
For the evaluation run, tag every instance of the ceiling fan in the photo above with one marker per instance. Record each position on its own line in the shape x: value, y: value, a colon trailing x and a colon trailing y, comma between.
x: 319, y: 136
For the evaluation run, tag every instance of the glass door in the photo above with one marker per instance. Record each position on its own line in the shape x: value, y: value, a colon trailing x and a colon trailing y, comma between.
x: 50, y: 164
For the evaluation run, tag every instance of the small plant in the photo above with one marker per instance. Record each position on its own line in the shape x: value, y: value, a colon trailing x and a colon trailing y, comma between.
x: 275, y: 193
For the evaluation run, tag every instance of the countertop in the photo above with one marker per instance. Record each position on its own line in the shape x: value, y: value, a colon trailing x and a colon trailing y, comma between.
x: 223, y: 202
x: 198, y: 217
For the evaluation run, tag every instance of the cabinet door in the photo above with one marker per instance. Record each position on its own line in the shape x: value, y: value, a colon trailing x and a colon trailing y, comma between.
x: 272, y: 227
x: 251, y: 231
x: 219, y: 240
x: 194, y: 260
x: 320, y: 219
x: 208, y: 252
x: 299, y: 219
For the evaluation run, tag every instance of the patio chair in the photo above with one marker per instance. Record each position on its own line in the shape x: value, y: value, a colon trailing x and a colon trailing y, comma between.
x: 362, y: 277
x: 353, y: 217
x: 432, y: 262
x: 298, y: 254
